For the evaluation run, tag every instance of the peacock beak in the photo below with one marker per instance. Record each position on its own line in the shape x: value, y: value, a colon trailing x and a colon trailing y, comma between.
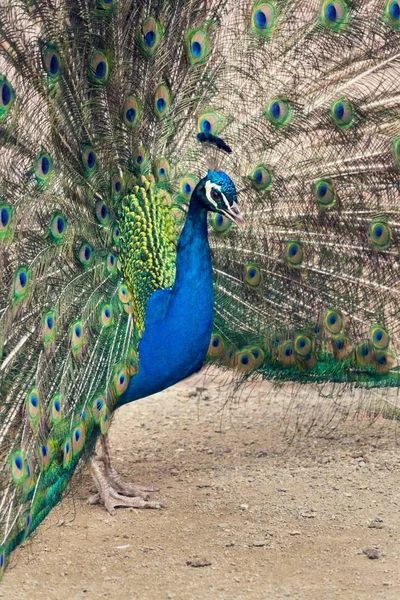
x: 235, y: 215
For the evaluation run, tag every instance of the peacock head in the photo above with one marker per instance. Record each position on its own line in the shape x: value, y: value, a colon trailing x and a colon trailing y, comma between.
x: 218, y: 193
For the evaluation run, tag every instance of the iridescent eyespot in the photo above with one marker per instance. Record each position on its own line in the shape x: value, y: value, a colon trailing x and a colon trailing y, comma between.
x: 67, y: 452
x: 392, y: 14
x: 261, y: 178
x: 343, y: 114
x: 383, y: 361
x: 77, y: 339
x: 341, y: 346
x: 119, y: 380
x: 324, y: 193
x: 56, y: 409
x: 49, y: 330
x: 302, y: 345
x: 210, y: 122
x: 279, y: 112
x: 253, y: 275
x: 363, y: 353
x: 97, y: 404
x: 45, y: 455
x: 58, y: 227
x: 139, y: 159
x: 286, y: 354
x: 124, y: 294
x: 78, y: 439
x: 89, y: 160
x: 220, y: 223
x: 162, y: 170
x: 258, y: 355
x: 102, y: 214
x: 335, y: 15
x: 396, y: 150
x: 149, y: 36
x: 197, y: 45
x: 117, y: 186
x: 33, y: 406
x: 86, y: 255
x: 333, y: 321
x: 106, y: 5
x: 294, y: 254
x: 131, y: 111
x: 51, y: 62
x: 21, y: 283
x: 43, y: 168
x: 217, y: 346
x: 111, y: 263
x: 105, y: 420
x: 7, y: 97
x: 162, y: 101
x: 264, y: 17
x: 379, y: 337
x: 244, y: 362
x: 6, y: 220
x: 116, y: 234
x: 106, y: 315
x: 380, y: 234
x: 187, y: 185
x: 99, y: 70
x: 18, y: 467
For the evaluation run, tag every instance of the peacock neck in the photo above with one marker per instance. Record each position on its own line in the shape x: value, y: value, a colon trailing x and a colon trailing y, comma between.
x: 193, y: 252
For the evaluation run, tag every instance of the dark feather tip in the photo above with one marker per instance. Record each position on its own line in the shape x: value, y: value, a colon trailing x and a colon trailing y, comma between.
x: 209, y: 138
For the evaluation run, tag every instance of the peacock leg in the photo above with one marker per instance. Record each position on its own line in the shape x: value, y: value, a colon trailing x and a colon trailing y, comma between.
x: 111, y: 498
x: 127, y: 489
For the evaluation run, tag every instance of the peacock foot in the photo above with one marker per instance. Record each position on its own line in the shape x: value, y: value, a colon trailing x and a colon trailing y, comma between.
x: 112, y: 491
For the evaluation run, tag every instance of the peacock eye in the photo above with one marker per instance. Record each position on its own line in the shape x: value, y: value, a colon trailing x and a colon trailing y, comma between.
x: 216, y: 195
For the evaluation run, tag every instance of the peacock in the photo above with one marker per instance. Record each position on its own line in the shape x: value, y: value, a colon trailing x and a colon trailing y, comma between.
x: 131, y: 132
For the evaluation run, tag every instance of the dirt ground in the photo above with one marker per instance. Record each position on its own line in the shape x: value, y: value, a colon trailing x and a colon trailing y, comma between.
x: 251, y: 513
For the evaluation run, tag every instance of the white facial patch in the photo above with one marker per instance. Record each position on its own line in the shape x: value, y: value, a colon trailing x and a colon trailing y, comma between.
x: 210, y: 186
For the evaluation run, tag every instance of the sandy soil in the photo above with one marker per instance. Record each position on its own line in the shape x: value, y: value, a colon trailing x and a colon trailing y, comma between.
x: 250, y: 512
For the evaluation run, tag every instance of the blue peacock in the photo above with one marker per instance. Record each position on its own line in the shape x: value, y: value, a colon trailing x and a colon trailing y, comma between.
x: 131, y: 131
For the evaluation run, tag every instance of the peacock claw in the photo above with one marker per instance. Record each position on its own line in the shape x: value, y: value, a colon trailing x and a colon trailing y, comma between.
x: 111, y: 491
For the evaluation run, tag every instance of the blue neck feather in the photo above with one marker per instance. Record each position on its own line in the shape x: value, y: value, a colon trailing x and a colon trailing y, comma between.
x: 178, y: 322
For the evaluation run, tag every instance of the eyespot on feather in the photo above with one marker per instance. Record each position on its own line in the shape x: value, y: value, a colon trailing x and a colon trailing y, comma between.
x: 294, y: 254
x: 51, y: 62
x: 67, y: 452
x: 46, y: 451
x: 324, y: 193
x: 342, y: 114
x: 139, y: 159
x: 49, y: 329
x: 18, y: 467
x: 261, y: 178
x: 34, y: 407
x: 149, y: 36
x: 217, y: 346
x: 56, y: 409
x: 392, y: 14
x: 253, y: 275
x: 162, y: 170
x: 119, y: 380
x: 99, y: 68
x: 186, y: 186
x: 131, y: 112
x: 333, y: 321
x: 197, y: 45
x: 341, y: 346
x: 383, y: 361
x: 21, y: 284
x: 220, y: 223
x: 89, y: 160
x: 335, y: 15
x: 162, y: 101
x: 264, y: 16
x: 105, y: 420
x: 133, y: 364
x: 286, y: 354
x: 380, y: 235
x: 77, y: 339
x: 7, y: 97
x: 102, y: 213
x: 363, y: 353
x: 379, y: 337
x: 78, y: 439
x: 106, y: 316
x: 43, y: 168
x: 245, y: 362
x: 302, y: 345
x: 58, y: 228
x: 279, y: 112
x: 86, y: 255
x: 6, y: 221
